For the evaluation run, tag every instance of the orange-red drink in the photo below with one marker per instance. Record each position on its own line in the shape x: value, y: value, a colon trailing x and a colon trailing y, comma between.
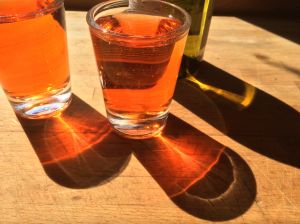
x: 138, y: 53
x: 34, y: 69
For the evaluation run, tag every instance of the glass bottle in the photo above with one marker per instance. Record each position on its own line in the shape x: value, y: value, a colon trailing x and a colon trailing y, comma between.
x: 201, y: 13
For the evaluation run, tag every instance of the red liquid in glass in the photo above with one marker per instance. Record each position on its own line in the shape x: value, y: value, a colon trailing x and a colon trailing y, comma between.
x: 33, y: 50
x: 138, y: 80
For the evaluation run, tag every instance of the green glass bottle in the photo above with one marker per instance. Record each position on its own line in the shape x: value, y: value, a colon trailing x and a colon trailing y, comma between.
x: 201, y: 13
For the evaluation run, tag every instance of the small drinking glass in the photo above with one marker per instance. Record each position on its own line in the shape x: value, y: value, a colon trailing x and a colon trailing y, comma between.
x: 34, y: 67
x: 138, y: 47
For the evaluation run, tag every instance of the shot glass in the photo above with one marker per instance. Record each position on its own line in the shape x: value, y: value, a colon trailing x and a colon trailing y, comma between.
x: 138, y: 48
x: 34, y: 67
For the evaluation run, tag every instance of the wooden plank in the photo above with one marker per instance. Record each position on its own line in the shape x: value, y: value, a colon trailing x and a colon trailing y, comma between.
x: 60, y: 172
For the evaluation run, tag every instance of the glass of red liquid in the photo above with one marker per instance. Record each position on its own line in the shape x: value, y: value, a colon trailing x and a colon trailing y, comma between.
x: 34, y: 67
x: 138, y: 47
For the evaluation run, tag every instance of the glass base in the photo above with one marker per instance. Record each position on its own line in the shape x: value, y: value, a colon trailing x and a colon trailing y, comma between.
x: 41, y: 107
x: 138, y: 128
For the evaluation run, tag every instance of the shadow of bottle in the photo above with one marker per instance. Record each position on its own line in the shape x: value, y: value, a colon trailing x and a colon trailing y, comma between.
x: 78, y: 148
x: 201, y: 176
x: 284, y: 26
x: 250, y: 116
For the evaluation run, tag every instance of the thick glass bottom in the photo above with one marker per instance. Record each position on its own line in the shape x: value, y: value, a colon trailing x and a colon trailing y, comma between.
x: 42, y: 106
x: 138, y: 128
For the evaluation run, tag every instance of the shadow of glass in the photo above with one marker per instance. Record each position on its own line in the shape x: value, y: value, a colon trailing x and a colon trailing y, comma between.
x: 251, y: 116
x: 227, y: 191
x: 286, y: 27
x: 78, y: 148
x: 197, y: 173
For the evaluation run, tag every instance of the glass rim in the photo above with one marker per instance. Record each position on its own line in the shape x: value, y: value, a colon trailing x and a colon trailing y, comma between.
x: 32, y: 14
x: 174, y: 33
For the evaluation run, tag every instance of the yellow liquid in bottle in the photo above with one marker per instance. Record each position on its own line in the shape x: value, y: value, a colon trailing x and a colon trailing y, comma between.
x: 201, y: 12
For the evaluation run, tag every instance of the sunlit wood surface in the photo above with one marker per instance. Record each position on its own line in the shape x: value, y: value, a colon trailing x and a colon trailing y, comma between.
x: 230, y: 151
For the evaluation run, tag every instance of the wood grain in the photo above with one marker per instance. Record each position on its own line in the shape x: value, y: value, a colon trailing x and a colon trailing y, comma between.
x: 245, y: 185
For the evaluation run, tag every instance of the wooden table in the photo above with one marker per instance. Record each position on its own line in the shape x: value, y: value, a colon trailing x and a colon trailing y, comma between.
x: 230, y: 151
